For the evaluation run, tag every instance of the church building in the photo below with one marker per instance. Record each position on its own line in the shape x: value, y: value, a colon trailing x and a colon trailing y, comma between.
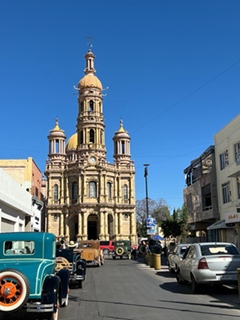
x: 88, y: 197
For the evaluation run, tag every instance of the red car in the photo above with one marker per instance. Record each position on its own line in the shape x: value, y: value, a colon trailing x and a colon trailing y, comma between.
x: 107, y: 246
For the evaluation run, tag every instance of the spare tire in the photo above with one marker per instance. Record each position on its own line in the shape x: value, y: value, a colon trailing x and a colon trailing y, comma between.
x: 14, y: 290
x: 119, y: 251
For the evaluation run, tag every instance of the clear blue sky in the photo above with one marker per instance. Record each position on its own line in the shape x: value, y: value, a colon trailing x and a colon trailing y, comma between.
x: 172, y: 68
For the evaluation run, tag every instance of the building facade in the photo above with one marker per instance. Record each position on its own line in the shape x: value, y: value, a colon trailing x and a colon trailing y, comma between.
x: 227, y: 151
x: 88, y: 197
x: 19, y: 211
x: 200, y: 194
x: 26, y: 173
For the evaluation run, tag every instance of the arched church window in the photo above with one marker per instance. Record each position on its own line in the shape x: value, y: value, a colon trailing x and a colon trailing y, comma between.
x: 91, y: 135
x: 125, y: 192
x: 55, y: 192
x: 81, y: 137
x: 109, y: 190
x: 123, y: 147
x: 90, y: 105
x: 82, y: 106
x: 74, y: 190
x: 92, y: 189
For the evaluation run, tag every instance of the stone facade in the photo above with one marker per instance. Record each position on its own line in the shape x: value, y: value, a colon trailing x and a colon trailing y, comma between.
x: 88, y: 197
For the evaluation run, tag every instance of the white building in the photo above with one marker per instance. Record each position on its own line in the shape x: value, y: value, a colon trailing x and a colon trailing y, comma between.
x: 227, y: 154
x: 19, y: 210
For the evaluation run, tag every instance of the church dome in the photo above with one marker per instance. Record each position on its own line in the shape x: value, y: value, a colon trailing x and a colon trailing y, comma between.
x: 90, y: 81
x: 72, y: 142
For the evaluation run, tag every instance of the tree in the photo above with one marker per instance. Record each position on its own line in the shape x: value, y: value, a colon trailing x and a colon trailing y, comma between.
x: 176, y: 225
x: 157, y: 209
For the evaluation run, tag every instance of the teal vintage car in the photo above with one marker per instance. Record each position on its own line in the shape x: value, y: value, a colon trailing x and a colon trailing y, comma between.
x: 28, y: 277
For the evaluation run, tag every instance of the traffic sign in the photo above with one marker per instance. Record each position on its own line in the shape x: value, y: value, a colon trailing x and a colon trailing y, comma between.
x: 150, y: 222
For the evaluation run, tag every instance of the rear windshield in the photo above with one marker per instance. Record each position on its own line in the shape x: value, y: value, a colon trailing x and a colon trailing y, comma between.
x: 104, y: 243
x: 183, y: 249
x: 18, y: 247
x: 216, y: 249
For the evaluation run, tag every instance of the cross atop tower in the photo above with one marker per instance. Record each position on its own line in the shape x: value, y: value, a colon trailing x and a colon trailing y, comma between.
x: 90, y: 38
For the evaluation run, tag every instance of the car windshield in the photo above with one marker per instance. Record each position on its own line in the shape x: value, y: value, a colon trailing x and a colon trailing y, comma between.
x: 104, y: 243
x: 215, y: 249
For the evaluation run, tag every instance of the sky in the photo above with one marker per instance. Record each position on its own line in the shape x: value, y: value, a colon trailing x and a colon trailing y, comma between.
x: 172, y: 69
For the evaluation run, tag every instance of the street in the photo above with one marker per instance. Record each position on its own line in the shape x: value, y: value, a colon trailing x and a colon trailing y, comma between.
x: 129, y: 289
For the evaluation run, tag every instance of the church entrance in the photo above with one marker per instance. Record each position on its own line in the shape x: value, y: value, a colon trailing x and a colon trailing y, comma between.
x: 92, y: 227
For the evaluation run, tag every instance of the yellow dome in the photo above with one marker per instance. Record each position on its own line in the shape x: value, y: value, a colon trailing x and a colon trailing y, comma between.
x: 72, y: 142
x: 90, y: 81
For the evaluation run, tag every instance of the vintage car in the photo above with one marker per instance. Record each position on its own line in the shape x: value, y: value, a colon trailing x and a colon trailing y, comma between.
x: 71, y: 259
x: 28, y: 279
x: 107, y: 246
x: 122, y: 248
x: 91, y: 252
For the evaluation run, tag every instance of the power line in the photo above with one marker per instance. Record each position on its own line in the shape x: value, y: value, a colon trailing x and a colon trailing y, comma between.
x: 190, y: 94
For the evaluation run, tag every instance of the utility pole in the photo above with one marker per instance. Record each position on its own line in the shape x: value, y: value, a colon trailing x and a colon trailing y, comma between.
x: 146, y: 184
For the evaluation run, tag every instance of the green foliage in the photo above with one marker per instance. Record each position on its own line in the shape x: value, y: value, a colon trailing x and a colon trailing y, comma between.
x: 176, y: 225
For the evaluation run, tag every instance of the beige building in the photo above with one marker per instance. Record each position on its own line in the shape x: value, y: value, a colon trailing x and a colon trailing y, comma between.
x: 88, y: 197
x: 26, y: 173
x: 227, y: 151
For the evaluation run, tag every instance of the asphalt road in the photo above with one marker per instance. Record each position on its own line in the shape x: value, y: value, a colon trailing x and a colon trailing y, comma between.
x: 129, y: 290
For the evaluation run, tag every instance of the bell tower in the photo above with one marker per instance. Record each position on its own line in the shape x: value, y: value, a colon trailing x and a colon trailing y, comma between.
x: 90, y: 121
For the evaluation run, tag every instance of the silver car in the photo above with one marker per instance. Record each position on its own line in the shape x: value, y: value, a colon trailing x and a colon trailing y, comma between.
x: 175, y: 256
x: 209, y: 263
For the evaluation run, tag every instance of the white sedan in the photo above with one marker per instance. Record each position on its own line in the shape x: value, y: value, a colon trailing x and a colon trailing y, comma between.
x: 209, y: 263
x: 175, y: 256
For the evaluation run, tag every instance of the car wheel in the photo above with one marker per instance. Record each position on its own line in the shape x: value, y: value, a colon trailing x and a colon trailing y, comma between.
x: 106, y: 252
x: 14, y: 290
x: 170, y: 268
x: 179, y: 277
x: 195, y: 285
x: 114, y: 257
x: 121, y: 257
x: 119, y: 251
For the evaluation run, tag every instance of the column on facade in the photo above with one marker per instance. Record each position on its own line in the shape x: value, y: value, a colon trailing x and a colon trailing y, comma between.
x: 120, y: 222
x: 80, y: 223
x: 62, y: 191
x: 79, y: 188
x: 102, y: 224
x: 67, y: 226
x: 84, y: 225
x: 67, y: 190
x: 61, y: 231
x: 116, y: 223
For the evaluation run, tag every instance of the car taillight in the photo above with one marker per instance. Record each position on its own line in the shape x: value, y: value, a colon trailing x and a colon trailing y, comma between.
x: 202, y: 264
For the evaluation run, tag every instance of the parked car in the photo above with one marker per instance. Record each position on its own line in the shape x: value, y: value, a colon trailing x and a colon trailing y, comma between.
x: 107, y: 246
x: 28, y: 279
x: 71, y: 259
x: 175, y: 256
x: 122, y: 248
x: 91, y: 252
x: 209, y: 263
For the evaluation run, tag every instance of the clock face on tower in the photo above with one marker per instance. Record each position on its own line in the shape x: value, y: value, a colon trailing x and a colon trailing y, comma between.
x: 92, y: 159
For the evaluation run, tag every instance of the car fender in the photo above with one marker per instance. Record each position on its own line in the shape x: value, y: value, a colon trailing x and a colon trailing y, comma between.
x: 64, y: 275
x: 51, y: 291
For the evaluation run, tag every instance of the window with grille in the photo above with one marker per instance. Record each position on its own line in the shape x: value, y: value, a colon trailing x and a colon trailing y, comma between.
x: 109, y: 190
x: 55, y: 192
x: 92, y: 189
x: 226, y: 193
x: 224, y: 162
x: 74, y: 190
x: 91, y: 135
x: 125, y: 192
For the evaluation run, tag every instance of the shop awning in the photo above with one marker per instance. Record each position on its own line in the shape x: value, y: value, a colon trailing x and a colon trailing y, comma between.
x: 219, y: 225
